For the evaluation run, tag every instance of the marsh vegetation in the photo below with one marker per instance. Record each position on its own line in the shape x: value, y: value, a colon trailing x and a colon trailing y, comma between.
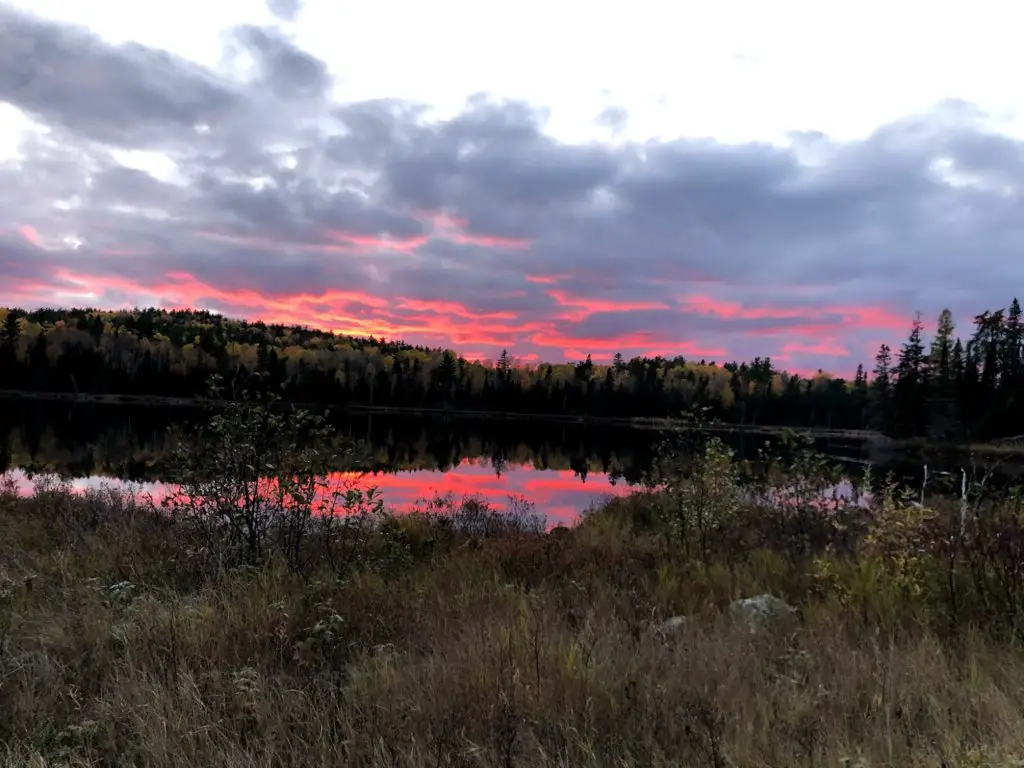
x: 258, y: 617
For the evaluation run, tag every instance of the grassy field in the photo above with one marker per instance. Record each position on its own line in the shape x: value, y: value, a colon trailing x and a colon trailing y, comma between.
x: 132, y: 634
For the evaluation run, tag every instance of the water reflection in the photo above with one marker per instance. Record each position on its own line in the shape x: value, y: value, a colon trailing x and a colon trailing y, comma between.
x: 130, y: 443
x: 562, y: 469
x: 560, y: 495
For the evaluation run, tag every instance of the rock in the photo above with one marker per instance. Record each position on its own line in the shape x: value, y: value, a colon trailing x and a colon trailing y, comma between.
x: 755, y: 610
x: 671, y: 625
x: 761, y: 608
x: 675, y: 622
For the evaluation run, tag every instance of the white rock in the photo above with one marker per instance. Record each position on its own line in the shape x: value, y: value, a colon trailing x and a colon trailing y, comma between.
x: 761, y: 608
x: 673, y: 623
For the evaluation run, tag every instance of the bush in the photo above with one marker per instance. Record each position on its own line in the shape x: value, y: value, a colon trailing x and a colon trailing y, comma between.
x: 256, y: 482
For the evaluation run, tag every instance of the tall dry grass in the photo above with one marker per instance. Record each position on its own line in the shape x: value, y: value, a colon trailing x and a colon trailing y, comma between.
x: 461, y: 637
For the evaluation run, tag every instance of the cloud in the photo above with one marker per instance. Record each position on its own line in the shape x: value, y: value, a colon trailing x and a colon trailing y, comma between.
x: 285, y: 10
x: 288, y: 72
x: 122, y: 95
x: 614, y: 118
x: 250, y: 190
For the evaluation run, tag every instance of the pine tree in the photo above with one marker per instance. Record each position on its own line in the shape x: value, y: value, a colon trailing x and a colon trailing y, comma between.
x: 503, y: 374
x: 985, y: 350
x: 880, y: 409
x: 1011, y: 399
x: 860, y: 396
x: 942, y: 418
x: 942, y: 348
x: 987, y: 341
x: 860, y: 378
x: 1013, y: 341
x: 909, y: 389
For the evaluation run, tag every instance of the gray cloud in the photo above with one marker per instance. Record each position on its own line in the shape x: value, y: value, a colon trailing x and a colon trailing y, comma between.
x: 127, y: 95
x: 615, y: 118
x: 288, y: 72
x: 285, y: 10
x: 277, y: 190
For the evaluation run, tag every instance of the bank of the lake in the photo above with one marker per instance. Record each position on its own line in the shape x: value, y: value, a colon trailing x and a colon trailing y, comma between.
x: 917, y: 447
x: 463, y: 637
x: 562, y: 468
x: 454, y: 413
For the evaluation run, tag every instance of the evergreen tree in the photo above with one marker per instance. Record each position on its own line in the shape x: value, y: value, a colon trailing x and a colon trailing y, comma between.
x: 909, y: 389
x: 1013, y: 341
x: 987, y: 341
x: 861, y: 395
x: 942, y: 349
x: 504, y: 370
x: 942, y: 417
x: 1011, y: 396
x: 985, y: 352
x: 880, y: 411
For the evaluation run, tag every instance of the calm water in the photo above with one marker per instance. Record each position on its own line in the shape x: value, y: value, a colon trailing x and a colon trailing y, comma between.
x: 560, y: 469
x: 560, y: 494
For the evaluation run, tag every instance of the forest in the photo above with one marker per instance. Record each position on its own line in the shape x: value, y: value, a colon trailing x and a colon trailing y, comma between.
x: 948, y: 388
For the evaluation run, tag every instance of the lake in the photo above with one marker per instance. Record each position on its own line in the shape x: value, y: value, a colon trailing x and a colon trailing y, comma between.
x: 561, y: 469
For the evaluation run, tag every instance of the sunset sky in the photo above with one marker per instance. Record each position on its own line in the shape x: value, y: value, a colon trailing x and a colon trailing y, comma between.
x: 717, y: 180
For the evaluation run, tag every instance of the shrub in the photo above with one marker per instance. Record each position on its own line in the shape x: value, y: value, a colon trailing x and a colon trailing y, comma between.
x: 256, y: 481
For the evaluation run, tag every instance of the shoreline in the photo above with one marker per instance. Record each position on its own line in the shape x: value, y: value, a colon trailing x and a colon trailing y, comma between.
x: 1006, y: 447
x: 640, y: 422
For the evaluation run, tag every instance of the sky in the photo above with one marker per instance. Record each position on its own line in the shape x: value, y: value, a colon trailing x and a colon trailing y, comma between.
x: 717, y: 180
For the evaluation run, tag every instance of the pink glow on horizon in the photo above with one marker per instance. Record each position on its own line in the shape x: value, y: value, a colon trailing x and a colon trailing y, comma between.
x: 804, y: 337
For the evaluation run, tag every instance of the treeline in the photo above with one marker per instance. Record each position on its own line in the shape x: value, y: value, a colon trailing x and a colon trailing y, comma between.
x: 949, y: 390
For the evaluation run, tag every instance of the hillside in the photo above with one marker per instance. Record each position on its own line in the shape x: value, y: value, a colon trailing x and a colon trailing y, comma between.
x: 953, y: 391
